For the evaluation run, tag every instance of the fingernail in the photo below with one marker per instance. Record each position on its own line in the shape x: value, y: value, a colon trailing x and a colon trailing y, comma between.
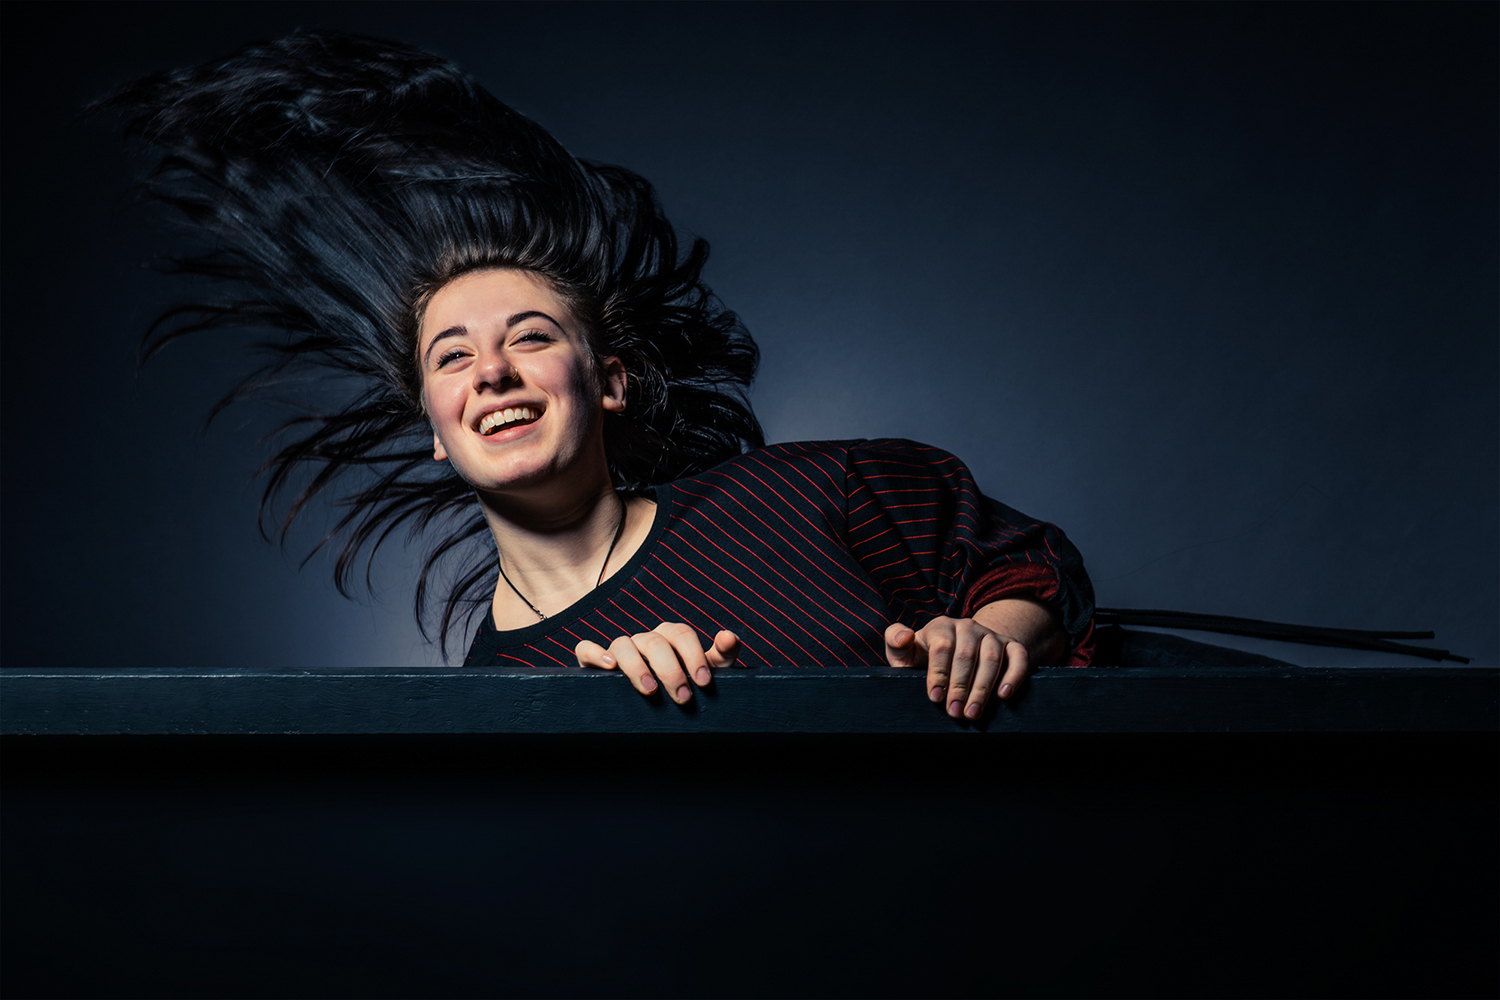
x: 1005, y: 690
x: 972, y: 711
x: 937, y: 694
x: 684, y: 693
x: 648, y: 685
x: 954, y: 707
x: 703, y: 676
x: 609, y: 661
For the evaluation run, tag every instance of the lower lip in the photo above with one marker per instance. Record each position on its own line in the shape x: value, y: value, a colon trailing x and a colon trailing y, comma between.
x: 509, y: 433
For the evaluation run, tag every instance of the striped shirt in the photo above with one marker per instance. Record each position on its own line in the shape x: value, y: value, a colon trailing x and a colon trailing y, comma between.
x: 808, y: 551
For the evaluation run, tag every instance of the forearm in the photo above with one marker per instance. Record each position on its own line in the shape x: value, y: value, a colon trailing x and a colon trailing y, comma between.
x: 1031, y: 623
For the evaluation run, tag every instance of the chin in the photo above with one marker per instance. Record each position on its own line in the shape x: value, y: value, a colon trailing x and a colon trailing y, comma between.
x: 515, y: 477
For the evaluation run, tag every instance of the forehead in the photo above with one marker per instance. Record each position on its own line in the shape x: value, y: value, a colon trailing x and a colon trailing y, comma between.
x: 482, y: 299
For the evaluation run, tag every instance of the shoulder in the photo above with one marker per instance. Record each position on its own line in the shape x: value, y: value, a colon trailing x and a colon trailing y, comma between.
x: 828, y: 462
x: 826, y: 457
x: 899, y: 450
x: 883, y: 458
x: 830, y: 454
x: 800, y: 474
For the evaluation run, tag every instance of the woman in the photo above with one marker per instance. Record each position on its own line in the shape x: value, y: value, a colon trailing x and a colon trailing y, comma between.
x: 582, y: 391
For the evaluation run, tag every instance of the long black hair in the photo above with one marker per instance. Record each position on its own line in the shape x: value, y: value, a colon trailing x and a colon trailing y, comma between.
x: 335, y: 182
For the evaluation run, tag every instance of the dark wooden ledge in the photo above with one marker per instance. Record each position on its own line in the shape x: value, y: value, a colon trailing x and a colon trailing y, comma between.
x: 821, y: 700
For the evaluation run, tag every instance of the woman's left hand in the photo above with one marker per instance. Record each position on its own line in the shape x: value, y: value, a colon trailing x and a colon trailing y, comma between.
x: 965, y: 661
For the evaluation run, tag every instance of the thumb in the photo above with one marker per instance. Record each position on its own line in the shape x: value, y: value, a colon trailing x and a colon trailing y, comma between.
x: 901, y: 649
x: 591, y: 654
x: 724, y: 651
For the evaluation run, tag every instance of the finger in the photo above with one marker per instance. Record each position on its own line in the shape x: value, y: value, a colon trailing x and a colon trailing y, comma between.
x: 962, y: 667
x: 1018, y: 665
x: 725, y: 650
x: 900, y: 646
x: 689, y: 649
x: 937, y: 639
x: 986, y: 673
x: 633, y: 665
x: 662, y: 658
x: 591, y: 654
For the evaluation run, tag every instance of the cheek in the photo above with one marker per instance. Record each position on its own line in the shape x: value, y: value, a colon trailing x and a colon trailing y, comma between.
x: 573, y: 382
x: 444, y: 405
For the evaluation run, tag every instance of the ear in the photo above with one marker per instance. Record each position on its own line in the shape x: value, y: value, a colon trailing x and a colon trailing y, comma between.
x: 439, y: 453
x: 614, y: 385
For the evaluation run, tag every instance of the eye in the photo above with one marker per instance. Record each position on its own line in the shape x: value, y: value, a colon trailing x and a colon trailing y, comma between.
x: 534, y: 335
x: 450, y: 355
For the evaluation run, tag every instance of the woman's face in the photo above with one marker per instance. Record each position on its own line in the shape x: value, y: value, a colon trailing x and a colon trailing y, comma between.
x: 509, y: 383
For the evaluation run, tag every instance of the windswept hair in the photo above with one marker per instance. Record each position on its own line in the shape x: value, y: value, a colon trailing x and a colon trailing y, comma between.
x: 336, y: 182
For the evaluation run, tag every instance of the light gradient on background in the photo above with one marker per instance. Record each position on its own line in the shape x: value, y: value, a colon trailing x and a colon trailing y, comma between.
x: 1211, y: 287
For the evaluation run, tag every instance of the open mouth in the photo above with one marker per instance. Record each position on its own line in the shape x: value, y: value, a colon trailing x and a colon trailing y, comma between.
x: 512, y: 416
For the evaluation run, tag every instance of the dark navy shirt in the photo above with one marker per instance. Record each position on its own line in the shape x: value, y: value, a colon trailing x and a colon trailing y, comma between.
x: 807, y: 552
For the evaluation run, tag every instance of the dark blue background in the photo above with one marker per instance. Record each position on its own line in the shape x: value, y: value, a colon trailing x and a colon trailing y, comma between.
x: 1212, y: 287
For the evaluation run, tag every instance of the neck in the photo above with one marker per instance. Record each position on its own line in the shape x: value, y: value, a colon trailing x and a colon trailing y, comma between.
x: 553, y: 549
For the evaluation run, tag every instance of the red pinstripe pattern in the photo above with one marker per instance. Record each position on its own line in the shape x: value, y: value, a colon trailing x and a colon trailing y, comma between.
x: 767, y: 545
x: 745, y: 534
x: 751, y: 606
x: 771, y: 566
x: 804, y: 657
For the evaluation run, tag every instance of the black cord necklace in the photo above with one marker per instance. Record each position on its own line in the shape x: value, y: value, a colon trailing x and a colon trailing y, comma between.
x: 619, y: 529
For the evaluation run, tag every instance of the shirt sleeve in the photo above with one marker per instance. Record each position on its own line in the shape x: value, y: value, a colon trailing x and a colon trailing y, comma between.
x: 934, y: 545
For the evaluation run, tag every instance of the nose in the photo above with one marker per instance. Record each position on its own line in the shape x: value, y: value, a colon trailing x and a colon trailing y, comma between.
x: 494, y: 370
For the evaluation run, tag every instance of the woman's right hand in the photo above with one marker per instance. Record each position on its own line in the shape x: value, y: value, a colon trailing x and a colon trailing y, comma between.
x: 669, y: 653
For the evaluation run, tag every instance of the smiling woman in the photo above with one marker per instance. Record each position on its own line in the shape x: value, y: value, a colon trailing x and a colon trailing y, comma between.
x: 511, y: 387
x: 601, y: 494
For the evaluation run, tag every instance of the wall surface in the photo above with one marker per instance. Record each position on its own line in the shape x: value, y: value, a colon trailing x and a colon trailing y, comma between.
x: 1212, y: 287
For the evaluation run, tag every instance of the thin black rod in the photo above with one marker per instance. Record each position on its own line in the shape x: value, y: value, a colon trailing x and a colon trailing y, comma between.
x: 1316, y: 635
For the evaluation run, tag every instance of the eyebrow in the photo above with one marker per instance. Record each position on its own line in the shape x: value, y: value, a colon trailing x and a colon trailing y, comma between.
x: 461, y: 330
x: 522, y: 317
x: 452, y: 331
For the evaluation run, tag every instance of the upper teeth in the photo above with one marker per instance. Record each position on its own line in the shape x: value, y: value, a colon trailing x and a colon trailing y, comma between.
x: 499, y: 418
